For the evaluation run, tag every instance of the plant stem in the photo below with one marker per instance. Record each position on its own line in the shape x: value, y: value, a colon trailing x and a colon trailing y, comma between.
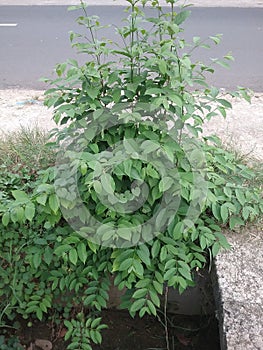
x: 132, y: 40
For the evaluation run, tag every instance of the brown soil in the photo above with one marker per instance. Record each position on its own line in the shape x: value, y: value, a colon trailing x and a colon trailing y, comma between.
x: 126, y: 333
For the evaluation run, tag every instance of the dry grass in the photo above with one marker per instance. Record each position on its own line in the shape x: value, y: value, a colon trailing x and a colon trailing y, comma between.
x: 25, y: 149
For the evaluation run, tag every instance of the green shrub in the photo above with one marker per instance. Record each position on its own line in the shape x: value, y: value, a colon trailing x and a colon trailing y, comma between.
x: 137, y: 192
x: 10, y: 344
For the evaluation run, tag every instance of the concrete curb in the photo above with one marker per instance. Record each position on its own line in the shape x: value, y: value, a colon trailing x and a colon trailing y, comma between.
x: 238, y: 290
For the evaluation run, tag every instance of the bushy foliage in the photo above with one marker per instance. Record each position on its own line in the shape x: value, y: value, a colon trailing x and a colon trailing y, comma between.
x: 11, y: 343
x: 137, y: 192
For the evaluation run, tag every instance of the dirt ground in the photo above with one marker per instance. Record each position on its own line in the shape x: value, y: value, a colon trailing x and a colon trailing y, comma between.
x: 126, y: 333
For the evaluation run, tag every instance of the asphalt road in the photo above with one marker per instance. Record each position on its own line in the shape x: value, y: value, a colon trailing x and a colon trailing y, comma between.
x: 31, y: 49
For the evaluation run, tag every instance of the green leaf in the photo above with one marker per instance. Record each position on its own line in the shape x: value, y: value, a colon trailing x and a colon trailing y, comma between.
x: 158, y: 287
x: 96, y: 322
x: 178, y: 230
x: 224, y: 212
x: 223, y: 64
x: 155, y: 299
x: 185, y: 273
x: 73, y: 256
x: 181, y: 17
x: 144, y: 254
x: 60, y: 250
x: 53, y: 202
x: 155, y: 248
x: 6, y: 218
x: 235, y: 221
x: 182, y: 282
x: 138, y: 268
x: 161, y: 219
x: 97, y: 186
x: 97, y: 114
x: 149, y: 146
x: 125, y: 233
x: 31, y: 309
x: 170, y: 273
x: 165, y: 183
x: 196, y: 40
x: 151, y: 307
x: 83, y: 168
x: 41, y: 199
x: 163, y: 254
x: 225, y: 103
x: 39, y: 314
x: 203, y: 242
x: 228, y: 192
x: 152, y: 172
x: 70, y: 328
x: 159, y: 277
x: 43, y: 307
x: 246, y: 212
x: 140, y: 293
x: 108, y: 183
x: 126, y: 264
x: 20, y: 196
x: 162, y: 67
x: 71, y: 239
x: 176, y: 99
x: 82, y: 252
x: 93, y: 93
x: 216, y: 211
x: 143, y: 311
x: 30, y: 211
x: 137, y: 305
x: 95, y: 336
x: 20, y: 214
x: 240, y: 196
x: 93, y: 247
x: 131, y: 146
x: 215, y: 249
x: 154, y: 91
x: 48, y: 255
x: 37, y: 258
x: 216, y: 39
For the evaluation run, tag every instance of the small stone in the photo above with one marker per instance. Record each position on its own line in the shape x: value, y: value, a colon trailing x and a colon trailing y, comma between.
x: 43, y: 344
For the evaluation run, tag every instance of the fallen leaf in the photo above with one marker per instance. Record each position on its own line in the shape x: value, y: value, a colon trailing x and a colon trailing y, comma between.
x: 62, y: 333
x: 183, y: 340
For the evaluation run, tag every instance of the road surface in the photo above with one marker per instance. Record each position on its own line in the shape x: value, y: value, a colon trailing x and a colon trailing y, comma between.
x: 36, y: 38
x: 198, y: 3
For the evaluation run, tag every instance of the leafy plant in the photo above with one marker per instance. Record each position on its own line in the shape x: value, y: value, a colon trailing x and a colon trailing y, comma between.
x: 137, y: 193
x: 10, y: 344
